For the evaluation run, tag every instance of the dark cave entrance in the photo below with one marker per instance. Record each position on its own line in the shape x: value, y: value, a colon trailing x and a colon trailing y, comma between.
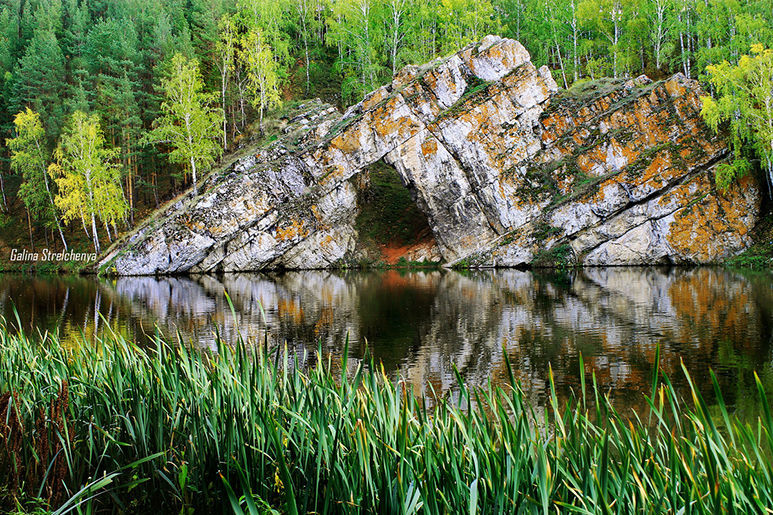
x: 389, y: 220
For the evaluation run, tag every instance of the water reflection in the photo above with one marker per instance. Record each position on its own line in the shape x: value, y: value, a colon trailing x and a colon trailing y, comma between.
x: 420, y: 325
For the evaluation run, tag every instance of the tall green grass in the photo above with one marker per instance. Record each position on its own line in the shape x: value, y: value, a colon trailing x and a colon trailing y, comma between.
x: 239, y: 430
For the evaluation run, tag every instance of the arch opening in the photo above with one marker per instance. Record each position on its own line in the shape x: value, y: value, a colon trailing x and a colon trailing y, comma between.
x: 391, y: 226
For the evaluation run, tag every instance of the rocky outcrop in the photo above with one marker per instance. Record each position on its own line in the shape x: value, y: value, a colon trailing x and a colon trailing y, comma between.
x: 508, y: 170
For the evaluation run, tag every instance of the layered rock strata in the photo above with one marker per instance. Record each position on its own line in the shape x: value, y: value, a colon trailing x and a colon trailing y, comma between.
x: 508, y: 170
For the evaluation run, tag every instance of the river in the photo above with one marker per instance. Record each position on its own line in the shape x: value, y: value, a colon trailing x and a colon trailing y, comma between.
x: 422, y: 324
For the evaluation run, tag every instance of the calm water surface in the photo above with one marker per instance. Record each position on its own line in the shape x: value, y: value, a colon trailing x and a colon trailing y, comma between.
x: 422, y: 324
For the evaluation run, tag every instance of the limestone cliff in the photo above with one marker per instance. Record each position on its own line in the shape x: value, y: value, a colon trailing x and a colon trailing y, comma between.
x: 508, y: 170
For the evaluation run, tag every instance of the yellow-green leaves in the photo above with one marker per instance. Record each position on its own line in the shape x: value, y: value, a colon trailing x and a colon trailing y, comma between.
x: 189, y: 123
x: 28, y: 158
x: 744, y: 99
x: 262, y: 78
x: 88, y: 175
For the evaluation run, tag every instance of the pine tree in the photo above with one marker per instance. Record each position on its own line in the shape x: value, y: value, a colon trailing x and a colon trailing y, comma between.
x: 38, y: 82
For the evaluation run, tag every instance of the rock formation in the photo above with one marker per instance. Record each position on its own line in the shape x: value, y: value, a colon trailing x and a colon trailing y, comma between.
x: 508, y: 170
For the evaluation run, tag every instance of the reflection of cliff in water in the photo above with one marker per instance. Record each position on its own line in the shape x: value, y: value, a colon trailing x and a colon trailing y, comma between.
x: 421, y: 325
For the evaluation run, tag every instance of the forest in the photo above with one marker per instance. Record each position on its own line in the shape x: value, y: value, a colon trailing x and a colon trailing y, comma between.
x: 109, y: 108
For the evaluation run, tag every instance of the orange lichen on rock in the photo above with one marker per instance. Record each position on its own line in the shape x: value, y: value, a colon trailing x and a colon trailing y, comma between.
x: 295, y: 230
x: 348, y: 140
x: 429, y: 147
x: 326, y: 241
x: 388, y: 126
x: 554, y: 126
x: 374, y: 98
x: 698, y: 229
x: 316, y: 213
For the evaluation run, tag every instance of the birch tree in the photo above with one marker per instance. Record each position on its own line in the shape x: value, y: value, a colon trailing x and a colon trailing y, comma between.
x: 658, y: 20
x: 685, y: 27
x: 226, y: 54
x: 189, y: 124
x: 352, y: 28
x: 745, y: 101
x: 396, y: 30
x: 606, y: 16
x: 29, y: 157
x: 269, y: 18
x: 262, y: 78
x: 305, y: 15
x: 88, y: 176
x: 575, y: 41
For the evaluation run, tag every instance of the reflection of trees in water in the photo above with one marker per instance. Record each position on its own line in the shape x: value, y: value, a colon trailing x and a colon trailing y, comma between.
x: 421, y: 325
x: 69, y: 305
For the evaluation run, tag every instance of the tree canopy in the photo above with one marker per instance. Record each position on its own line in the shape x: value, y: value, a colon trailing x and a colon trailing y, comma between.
x: 188, y: 124
x: 88, y: 177
x: 190, y: 75
x: 745, y: 102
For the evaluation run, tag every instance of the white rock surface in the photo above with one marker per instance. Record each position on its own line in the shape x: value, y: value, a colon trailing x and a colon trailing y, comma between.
x: 508, y: 170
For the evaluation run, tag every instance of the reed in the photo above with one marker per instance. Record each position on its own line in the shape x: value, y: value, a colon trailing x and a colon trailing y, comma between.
x: 241, y: 430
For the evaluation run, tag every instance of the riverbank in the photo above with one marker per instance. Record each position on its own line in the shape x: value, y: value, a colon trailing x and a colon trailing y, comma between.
x: 760, y: 255
x: 44, y: 267
x: 166, y: 427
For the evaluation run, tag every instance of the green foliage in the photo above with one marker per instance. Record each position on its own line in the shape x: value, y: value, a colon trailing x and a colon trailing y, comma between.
x: 87, y: 175
x: 758, y: 257
x: 262, y: 78
x: 745, y: 101
x: 728, y: 173
x: 189, y: 124
x: 38, y: 81
x: 388, y: 214
x: 464, y: 22
x: 187, y: 431
x: 29, y: 158
x: 560, y: 256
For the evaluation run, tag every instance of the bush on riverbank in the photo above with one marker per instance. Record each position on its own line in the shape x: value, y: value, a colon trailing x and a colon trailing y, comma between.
x: 182, y: 429
x: 760, y: 255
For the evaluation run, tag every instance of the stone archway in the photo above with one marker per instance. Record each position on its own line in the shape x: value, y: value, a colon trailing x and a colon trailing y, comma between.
x: 507, y: 170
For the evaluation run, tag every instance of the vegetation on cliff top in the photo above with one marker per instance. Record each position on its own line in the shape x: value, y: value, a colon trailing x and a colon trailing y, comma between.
x: 112, y: 58
x: 745, y: 103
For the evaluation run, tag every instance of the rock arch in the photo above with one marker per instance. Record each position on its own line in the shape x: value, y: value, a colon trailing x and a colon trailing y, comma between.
x: 508, y: 170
